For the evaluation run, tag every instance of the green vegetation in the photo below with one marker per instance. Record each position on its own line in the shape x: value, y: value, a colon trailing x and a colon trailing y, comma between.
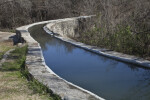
x: 123, y: 40
x: 5, y: 46
x: 19, y: 55
x: 14, y: 70
x: 37, y: 87
x: 1, y: 55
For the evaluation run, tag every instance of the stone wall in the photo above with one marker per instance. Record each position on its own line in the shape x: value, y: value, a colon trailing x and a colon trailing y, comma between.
x: 35, y: 62
x: 72, y: 27
x: 36, y: 66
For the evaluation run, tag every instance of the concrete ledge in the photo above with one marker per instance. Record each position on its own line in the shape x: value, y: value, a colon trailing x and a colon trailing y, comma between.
x: 57, y: 28
x: 71, y: 27
x: 40, y: 71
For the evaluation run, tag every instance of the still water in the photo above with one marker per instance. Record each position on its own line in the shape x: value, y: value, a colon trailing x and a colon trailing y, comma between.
x: 105, y: 77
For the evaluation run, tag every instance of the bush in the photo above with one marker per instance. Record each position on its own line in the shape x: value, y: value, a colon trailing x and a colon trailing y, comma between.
x: 123, y: 40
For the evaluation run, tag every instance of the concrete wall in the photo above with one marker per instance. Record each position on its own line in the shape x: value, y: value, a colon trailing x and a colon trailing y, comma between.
x: 68, y: 27
x: 36, y: 66
x: 72, y: 27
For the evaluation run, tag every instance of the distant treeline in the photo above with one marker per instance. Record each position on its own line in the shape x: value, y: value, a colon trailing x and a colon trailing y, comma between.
x: 15, y: 13
x: 111, y: 12
x: 113, y: 17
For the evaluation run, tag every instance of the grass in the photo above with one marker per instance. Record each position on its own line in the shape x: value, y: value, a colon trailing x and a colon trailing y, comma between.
x: 19, y: 59
x: 1, y: 55
x: 37, y: 87
x: 5, y: 46
x: 14, y: 87
x: 17, y: 84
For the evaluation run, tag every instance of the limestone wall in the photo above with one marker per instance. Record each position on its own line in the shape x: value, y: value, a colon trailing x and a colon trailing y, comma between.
x: 36, y: 66
x: 72, y: 27
x: 69, y: 27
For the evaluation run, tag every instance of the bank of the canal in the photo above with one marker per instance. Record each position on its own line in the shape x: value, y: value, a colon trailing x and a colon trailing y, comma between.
x: 105, y: 77
x: 36, y: 66
x: 108, y: 78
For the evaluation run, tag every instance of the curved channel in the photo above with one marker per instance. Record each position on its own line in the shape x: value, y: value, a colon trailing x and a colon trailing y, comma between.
x: 105, y: 77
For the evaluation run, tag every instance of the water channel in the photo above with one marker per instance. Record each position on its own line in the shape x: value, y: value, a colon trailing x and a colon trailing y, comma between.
x: 105, y: 77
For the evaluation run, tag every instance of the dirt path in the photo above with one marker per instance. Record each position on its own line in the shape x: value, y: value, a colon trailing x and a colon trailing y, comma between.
x: 5, y: 36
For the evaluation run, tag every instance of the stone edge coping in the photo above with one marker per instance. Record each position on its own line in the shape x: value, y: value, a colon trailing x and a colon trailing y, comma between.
x: 101, y: 51
x: 37, y: 67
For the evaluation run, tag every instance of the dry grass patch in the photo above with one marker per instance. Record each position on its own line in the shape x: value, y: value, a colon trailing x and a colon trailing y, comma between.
x: 5, y: 46
x: 14, y: 87
x: 13, y: 81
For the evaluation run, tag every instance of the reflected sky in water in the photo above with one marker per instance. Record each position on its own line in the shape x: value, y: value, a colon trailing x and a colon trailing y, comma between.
x: 105, y: 77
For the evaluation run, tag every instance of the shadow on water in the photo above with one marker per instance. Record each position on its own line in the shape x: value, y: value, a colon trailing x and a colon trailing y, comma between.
x: 105, y: 77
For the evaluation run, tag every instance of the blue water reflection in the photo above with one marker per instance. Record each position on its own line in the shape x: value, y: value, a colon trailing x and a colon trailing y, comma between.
x: 105, y: 77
